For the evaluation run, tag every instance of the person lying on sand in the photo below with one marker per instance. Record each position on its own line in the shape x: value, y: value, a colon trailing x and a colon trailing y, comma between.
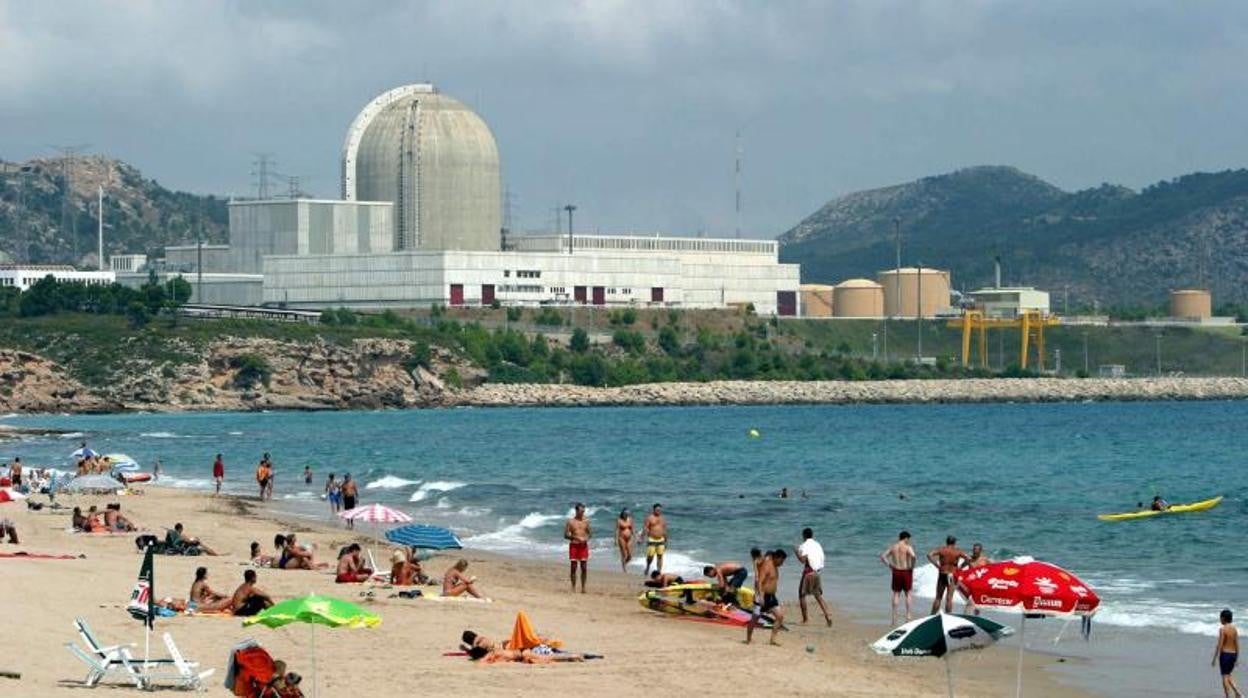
x: 351, y: 568
x: 481, y: 647
x: 249, y: 599
x: 258, y: 559
x: 203, y: 596
x: 661, y: 580
x: 455, y: 583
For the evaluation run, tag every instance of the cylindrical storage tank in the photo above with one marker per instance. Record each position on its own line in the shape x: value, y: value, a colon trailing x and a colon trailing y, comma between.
x: 902, y: 290
x: 1191, y: 304
x: 858, y: 298
x: 816, y: 300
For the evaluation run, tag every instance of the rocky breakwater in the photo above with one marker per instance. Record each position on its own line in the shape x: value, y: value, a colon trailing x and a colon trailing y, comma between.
x: 838, y: 392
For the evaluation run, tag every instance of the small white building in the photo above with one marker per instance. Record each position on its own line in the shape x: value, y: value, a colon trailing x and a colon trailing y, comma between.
x: 127, y: 262
x: 23, y: 276
x: 1009, y: 302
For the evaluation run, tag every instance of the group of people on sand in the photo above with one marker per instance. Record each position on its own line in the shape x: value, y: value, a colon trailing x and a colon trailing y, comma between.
x: 110, y: 520
x: 900, y: 558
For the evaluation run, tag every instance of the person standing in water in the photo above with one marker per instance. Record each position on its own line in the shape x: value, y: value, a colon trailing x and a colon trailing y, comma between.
x: 307, y: 475
x: 947, y: 560
x: 349, y: 494
x: 900, y: 557
x: 624, y: 538
x: 656, y: 538
x: 577, y: 533
x: 1226, y: 653
x: 333, y: 493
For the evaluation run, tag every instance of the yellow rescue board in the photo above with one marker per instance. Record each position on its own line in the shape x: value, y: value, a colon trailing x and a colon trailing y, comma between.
x: 1174, y: 509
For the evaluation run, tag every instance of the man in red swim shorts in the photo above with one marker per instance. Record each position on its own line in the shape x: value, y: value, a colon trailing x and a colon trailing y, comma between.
x: 577, y: 532
x: 899, y: 557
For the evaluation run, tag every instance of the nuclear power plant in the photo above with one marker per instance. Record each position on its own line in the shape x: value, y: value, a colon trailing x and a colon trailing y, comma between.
x: 419, y: 224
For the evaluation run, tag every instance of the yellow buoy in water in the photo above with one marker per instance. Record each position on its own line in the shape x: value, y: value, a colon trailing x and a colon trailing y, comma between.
x: 753, y: 434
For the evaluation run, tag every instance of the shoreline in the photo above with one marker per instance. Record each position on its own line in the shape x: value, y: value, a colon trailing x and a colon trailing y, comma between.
x: 722, y: 393
x: 642, y: 648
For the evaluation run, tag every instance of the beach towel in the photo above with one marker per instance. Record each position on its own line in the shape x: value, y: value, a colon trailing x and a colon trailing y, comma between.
x: 40, y: 556
x: 523, y: 637
x: 251, y: 669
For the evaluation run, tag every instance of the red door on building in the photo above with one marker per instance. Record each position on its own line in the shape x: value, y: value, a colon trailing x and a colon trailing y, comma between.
x: 786, y: 303
x: 600, y: 295
x: 656, y: 294
x: 578, y: 294
x: 487, y: 294
x: 457, y: 294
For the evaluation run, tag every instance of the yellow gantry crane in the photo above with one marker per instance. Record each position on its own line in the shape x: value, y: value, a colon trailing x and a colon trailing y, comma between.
x: 1030, y: 323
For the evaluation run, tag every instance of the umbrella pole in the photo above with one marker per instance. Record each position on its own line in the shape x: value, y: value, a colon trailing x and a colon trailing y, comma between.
x: 313, y: 659
x: 949, y: 672
x: 1022, y: 642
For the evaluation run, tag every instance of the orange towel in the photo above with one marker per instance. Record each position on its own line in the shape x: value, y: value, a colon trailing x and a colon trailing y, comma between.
x: 523, y: 637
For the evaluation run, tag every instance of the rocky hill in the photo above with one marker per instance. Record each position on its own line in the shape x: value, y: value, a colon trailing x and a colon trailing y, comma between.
x: 1109, y: 245
x: 48, y: 211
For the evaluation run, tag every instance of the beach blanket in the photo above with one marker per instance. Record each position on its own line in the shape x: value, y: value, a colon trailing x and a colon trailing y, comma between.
x: 435, y: 596
x: 41, y: 556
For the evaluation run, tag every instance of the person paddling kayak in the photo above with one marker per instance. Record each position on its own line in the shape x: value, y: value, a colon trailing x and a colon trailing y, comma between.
x: 1159, y: 504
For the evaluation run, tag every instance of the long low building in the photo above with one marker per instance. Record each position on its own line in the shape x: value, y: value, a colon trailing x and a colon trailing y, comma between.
x: 23, y: 276
x: 602, y: 270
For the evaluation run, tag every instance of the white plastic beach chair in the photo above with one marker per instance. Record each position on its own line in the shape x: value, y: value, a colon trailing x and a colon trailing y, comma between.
x: 107, y: 652
x: 99, y: 668
x: 177, y: 671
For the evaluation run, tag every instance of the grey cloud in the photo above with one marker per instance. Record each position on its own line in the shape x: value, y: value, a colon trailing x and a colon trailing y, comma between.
x: 629, y: 108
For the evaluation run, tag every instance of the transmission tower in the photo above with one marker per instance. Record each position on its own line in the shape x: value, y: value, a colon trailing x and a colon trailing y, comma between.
x: 69, y: 212
x: 262, y: 172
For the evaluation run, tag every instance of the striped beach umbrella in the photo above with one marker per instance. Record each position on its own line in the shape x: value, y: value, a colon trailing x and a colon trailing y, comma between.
x: 424, y: 536
x: 939, y: 636
x: 375, y: 513
x: 8, y: 494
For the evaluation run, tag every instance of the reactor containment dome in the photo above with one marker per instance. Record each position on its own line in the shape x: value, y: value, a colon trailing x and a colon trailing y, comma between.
x: 436, y: 160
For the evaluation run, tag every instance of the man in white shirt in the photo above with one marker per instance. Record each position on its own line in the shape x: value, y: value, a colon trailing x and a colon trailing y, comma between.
x: 811, y: 555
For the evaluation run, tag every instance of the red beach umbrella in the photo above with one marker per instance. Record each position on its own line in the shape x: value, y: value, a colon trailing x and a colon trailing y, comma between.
x: 1029, y: 586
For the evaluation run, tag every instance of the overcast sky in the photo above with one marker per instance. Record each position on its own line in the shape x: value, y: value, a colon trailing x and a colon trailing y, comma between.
x: 628, y: 108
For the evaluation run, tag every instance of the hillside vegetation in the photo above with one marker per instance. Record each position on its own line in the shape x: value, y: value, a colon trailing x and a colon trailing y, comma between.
x: 1106, y: 246
x: 45, y: 220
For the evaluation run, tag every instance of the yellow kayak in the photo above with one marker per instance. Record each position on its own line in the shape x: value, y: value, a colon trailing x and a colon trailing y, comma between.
x: 1174, y: 509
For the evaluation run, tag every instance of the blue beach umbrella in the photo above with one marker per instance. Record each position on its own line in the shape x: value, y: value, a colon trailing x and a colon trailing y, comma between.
x: 424, y: 536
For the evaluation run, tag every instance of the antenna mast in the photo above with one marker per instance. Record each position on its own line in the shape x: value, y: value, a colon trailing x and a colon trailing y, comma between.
x: 740, y: 156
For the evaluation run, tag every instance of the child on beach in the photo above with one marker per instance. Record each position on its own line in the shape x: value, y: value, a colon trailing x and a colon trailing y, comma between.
x: 1225, y: 654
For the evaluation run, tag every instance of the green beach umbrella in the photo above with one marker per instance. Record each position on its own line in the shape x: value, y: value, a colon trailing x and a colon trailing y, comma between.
x: 939, y: 636
x: 315, y: 610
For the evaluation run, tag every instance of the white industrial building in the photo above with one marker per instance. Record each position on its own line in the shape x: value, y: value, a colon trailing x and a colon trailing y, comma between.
x: 420, y: 225
x: 1009, y: 302
x: 23, y: 276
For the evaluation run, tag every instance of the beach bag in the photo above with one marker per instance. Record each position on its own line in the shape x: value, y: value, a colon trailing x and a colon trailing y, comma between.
x: 142, y: 542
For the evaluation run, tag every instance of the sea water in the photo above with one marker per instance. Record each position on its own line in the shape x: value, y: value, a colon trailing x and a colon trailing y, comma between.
x: 1020, y: 478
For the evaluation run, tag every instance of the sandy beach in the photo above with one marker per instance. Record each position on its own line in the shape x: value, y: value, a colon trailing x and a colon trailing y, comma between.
x: 643, y: 651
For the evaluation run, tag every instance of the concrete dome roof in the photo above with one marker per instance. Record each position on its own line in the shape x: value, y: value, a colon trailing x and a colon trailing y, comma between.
x: 435, y: 159
x: 858, y: 283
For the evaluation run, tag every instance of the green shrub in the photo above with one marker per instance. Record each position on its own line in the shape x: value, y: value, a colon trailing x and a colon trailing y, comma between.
x: 514, y: 314
x: 549, y: 317
x: 250, y: 370
x: 580, y: 341
x: 421, y: 356
x: 669, y: 341
x: 452, y: 378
